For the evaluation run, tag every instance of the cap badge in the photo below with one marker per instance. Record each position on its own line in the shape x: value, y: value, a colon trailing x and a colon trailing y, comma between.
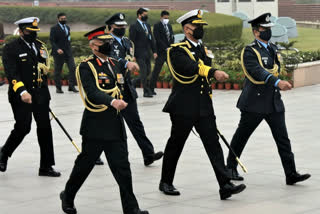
x: 199, y: 14
x: 35, y: 23
x: 121, y: 16
x: 268, y: 19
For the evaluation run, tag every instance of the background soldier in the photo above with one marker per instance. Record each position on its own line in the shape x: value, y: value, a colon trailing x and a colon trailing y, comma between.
x: 141, y: 35
x: 163, y: 36
x: 261, y: 100
x: 61, y: 51
x: 102, y: 126
x: 26, y: 64
x: 123, y: 48
x: 190, y: 105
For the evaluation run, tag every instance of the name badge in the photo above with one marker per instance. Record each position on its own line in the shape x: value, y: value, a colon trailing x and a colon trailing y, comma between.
x: 265, y: 60
x: 22, y: 55
x: 120, y: 78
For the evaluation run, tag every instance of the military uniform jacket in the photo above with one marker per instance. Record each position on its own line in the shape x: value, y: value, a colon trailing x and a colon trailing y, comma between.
x: 189, y: 99
x: 260, y: 98
x: 21, y: 65
x: 108, y: 124
x: 122, y: 51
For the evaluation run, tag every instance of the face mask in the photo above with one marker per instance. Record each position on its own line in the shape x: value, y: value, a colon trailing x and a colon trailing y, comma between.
x: 119, y: 32
x: 30, y: 37
x: 144, y: 18
x: 265, y: 35
x: 165, y: 21
x: 198, y: 33
x: 63, y: 22
x: 105, y: 49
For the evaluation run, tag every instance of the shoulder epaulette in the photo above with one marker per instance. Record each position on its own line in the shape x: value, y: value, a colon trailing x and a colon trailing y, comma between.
x: 186, y: 43
x: 87, y: 59
x: 41, y: 42
x: 251, y: 44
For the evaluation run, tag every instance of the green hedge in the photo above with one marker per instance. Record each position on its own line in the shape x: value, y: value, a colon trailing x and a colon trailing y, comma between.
x: 221, y: 27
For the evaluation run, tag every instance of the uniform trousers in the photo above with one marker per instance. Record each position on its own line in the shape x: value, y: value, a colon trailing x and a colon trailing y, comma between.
x: 116, y: 153
x: 23, y: 116
x: 180, y: 130
x: 248, y: 123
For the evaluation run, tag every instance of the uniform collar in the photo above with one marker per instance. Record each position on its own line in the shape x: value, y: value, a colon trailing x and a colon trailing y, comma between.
x: 117, y: 38
x: 263, y: 44
x: 194, y: 43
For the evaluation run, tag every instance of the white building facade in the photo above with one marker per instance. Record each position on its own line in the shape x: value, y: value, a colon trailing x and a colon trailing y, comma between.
x: 252, y: 8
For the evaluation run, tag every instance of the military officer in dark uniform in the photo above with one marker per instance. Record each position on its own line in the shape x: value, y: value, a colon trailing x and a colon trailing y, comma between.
x: 261, y: 99
x: 123, y: 48
x: 26, y: 63
x: 101, y: 84
x: 190, y: 105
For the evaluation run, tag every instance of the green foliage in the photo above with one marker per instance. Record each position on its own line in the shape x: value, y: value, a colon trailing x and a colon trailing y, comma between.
x: 220, y: 26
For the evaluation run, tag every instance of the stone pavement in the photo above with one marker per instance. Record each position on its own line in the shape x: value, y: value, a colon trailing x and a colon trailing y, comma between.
x: 23, y: 191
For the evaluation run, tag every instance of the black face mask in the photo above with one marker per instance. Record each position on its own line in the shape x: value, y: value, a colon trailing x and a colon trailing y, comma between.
x: 105, y: 49
x: 198, y: 33
x: 144, y: 18
x: 63, y: 22
x: 30, y: 37
x: 265, y: 35
x: 119, y: 32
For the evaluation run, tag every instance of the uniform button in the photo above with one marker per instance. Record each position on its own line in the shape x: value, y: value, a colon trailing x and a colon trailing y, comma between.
x: 33, y: 80
x: 34, y: 66
x: 201, y: 86
x: 201, y: 92
x: 276, y: 90
x: 34, y: 73
x: 33, y: 87
x: 202, y: 79
x: 258, y: 94
x: 103, y: 85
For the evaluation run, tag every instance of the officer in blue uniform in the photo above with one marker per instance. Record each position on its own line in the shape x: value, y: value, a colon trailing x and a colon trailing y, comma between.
x: 100, y: 80
x: 190, y: 105
x: 123, y: 48
x: 261, y: 99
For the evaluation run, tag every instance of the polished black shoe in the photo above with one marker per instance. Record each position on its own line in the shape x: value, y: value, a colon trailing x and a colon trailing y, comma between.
x: 99, y: 162
x: 296, y: 177
x: 153, y: 92
x: 148, y: 160
x: 234, y: 175
x: 147, y: 95
x: 230, y: 189
x: 73, y: 89
x: 59, y: 91
x: 50, y: 172
x: 67, y: 207
x: 168, y: 189
x: 3, y: 161
x: 138, y: 211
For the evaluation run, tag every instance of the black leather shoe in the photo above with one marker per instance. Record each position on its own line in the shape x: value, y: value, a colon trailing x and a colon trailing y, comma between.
x: 138, y: 211
x: 153, y: 92
x: 230, y: 189
x: 50, y: 172
x: 73, y: 89
x: 168, y: 189
x: 148, y: 160
x: 67, y: 207
x: 59, y: 91
x: 99, y: 162
x: 296, y: 177
x: 3, y: 161
x: 234, y: 175
x: 147, y: 94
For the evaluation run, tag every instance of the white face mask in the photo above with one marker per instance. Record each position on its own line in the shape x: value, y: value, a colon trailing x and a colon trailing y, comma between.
x: 165, y: 21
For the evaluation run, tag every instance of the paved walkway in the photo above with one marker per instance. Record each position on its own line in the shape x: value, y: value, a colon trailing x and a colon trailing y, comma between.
x: 22, y: 191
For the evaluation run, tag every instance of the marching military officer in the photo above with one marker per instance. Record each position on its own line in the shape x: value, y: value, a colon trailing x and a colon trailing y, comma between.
x: 101, y: 84
x: 261, y: 99
x: 26, y: 63
x: 190, y: 105
x: 123, y: 48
